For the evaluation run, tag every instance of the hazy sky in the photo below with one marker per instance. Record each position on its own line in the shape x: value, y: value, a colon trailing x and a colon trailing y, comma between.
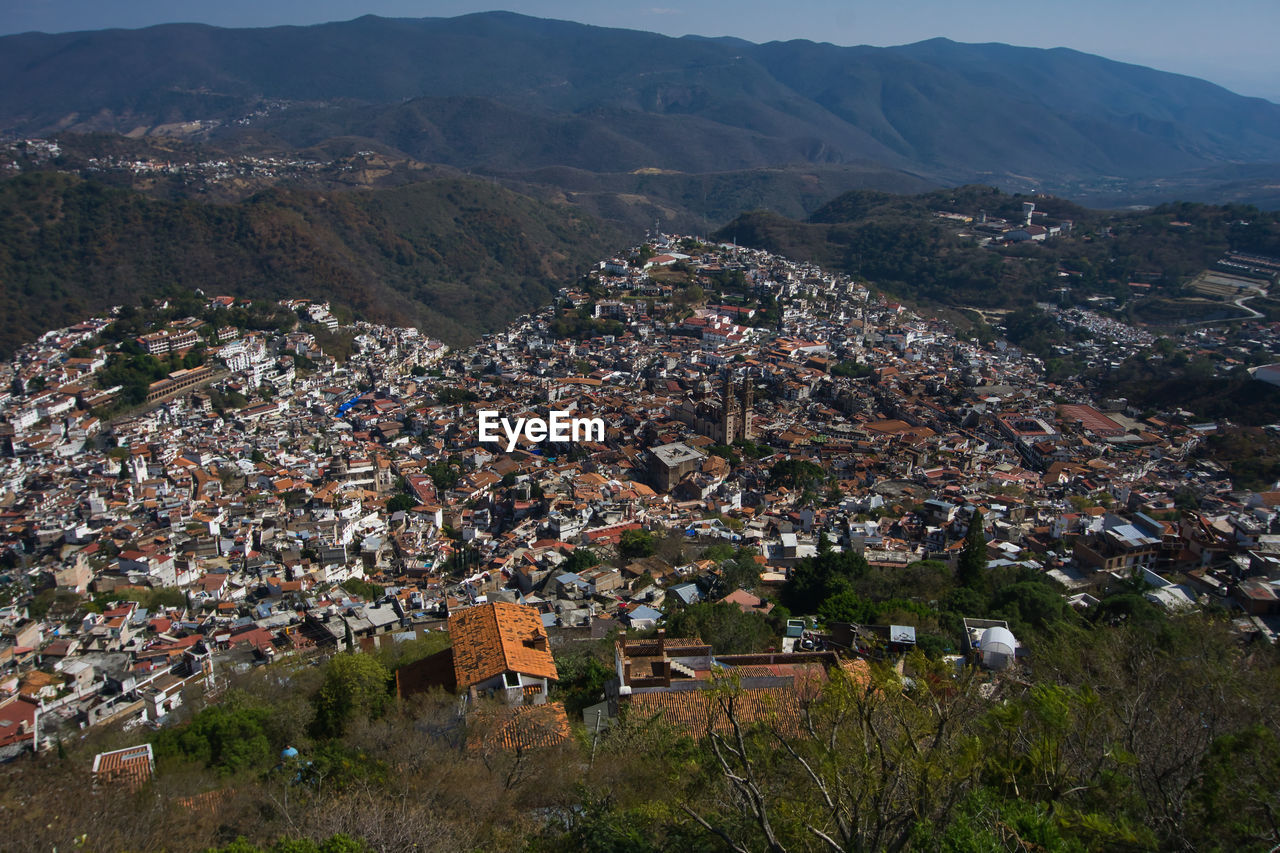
x: 1231, y: 42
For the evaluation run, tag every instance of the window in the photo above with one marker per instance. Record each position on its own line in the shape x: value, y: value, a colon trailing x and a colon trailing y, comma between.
x: 512, y: 679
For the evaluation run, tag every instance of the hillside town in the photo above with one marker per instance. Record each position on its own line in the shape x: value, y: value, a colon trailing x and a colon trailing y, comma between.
x: 198, y: 172
x: 270, y: 498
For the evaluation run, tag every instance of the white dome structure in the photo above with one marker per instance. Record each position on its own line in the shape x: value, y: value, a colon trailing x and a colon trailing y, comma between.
x: 997, y: 646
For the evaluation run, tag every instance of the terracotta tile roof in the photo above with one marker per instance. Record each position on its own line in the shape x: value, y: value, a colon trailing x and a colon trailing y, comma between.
x: 682, y: 642
x: 131, y: 767
x: 753, y: 671
x: 208, y: 802
x: 698, y: 711
x: 748, y: 602
x: 499, y: 637
x: 520, y: 727
x: 857, y: 669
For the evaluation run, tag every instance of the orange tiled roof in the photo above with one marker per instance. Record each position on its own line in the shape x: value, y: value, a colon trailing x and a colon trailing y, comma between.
x: 857, y: 669
x: 521, y: 727
x: 208, y: 802
x: 130, y: 767
x: 499, y: 637
x: 698, y: 711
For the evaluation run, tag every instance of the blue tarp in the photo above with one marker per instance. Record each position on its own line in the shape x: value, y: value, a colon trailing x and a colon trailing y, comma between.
x: 342, y: 410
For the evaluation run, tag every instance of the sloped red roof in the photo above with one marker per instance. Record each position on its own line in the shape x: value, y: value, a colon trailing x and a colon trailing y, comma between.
x: 696, y: 712
x: 520, y: 727
x: 499, y: 637
x: 130, y: 767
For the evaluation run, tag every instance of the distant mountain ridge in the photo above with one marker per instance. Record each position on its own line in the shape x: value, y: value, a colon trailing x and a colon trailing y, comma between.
x: 500, y: 91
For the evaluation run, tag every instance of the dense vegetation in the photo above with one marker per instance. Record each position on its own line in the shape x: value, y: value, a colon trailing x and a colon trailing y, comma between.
x: 456, y: 256
x: 1251, y: 455
x: 501, y: 91
x: 843, y: 587
x: 905, y: 255
x: 1193, y: 385
x: 899, y: 244
x: 1143, y: 735
x: 724, y: 626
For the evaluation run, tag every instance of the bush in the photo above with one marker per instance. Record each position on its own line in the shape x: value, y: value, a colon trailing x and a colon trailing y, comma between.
x: 726, y: 627
x: 231, y: 740
x: 354, y: 685
x: 636, y: 543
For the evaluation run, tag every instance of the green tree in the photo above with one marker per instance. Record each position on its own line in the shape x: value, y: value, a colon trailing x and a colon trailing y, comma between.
x: 973, y: 559
x: 443, y: 473
x: 797, y: 474
x: 817, y: 579
x: 231, y: 738
x: 726, y: 627
x: 719, y: 552
x: 846, y: 606
x: 1237, y: 800
x: 852, y: 370
x: 883, y: 761
x: 581, y: 559
x: 366, y: 590
x: 633, y: 544
x: 1030, y: 604
x: 400, y: 503
x: 583, y: 672
x: 354, y: 685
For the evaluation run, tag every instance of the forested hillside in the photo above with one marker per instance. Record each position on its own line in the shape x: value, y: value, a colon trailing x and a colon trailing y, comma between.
x: 456, y: 256
x: 499, y: 91
x: 900, y: 244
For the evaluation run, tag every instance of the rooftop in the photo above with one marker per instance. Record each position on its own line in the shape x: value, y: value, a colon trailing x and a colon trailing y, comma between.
x: 494, y: 638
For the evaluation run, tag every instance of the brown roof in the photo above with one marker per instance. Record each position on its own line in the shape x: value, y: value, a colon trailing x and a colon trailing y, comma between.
x: 1092, y: 419
x: 698, y: 711
x: 889, y: 427
x: 130, y: 767
x: 499, y: 637
x: 748, y: 602
x: 520, y: 727
x: 17, y: 718
x: 1258, y: 590
x: 209, y: 801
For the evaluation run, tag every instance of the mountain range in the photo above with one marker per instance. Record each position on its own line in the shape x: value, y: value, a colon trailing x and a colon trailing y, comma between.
x: 503, y: 93
x: 471, y: 165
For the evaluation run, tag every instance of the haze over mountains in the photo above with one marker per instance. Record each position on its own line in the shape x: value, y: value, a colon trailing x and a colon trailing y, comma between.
x: 447, y: 127
x: 504, y: 93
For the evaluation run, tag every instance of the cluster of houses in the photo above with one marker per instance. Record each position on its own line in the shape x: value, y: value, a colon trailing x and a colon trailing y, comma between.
x: 347, y: 504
